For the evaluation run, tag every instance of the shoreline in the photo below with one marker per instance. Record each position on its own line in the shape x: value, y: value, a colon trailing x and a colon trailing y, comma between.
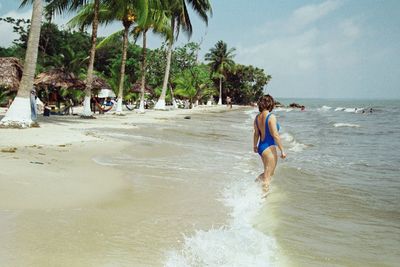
x: 65, y: 146
x: 71, y: 129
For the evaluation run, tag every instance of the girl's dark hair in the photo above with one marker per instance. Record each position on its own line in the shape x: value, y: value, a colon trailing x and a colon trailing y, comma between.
x: 266, y: 102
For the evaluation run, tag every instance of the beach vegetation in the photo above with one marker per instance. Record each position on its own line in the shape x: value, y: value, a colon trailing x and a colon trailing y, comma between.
x: 159, y: 21
x: 63, y: 6
x: 178, y: 12
x: 245, y: 84
x: 156, y: 73
x: 124, y: 11
x: 193, y: 83
x: 221, y: 62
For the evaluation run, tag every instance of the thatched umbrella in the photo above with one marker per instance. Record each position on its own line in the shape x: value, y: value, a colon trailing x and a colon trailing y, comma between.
x: 53, y: 81
x: 57, y: 78
x: 10, y: 73
x: 136, y: 88
x: 99, y: 83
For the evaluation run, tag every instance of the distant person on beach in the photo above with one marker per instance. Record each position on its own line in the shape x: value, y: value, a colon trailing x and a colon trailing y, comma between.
x: 228, y: 102
x: 266, y: 138
x: 46, y: 110
x: 33, y: 105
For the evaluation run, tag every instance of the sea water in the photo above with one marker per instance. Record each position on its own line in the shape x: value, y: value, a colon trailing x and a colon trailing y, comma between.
x: 333, y: 202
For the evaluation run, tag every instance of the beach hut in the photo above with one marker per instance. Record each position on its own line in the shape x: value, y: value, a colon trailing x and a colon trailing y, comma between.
x: 10, y: 76
x: 56, y: 79
x: 136, y: 88
x: 10, y: 73
x: 49, y: 85
x: 99, y: 83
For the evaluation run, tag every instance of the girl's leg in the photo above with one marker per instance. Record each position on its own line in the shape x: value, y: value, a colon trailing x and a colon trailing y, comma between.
x: 260, y: 178
x: 269, y: 158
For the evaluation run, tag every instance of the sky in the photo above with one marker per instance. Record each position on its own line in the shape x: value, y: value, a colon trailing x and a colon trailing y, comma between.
x: 312, y: 49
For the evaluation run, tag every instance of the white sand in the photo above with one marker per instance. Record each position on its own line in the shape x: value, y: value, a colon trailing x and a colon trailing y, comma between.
x: 53, y: 165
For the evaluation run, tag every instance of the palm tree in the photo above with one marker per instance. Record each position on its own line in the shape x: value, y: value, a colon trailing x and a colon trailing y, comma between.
x: 125, y: 11
x: 221, y: 61
x: 60, y: 6
x: 159, y: 22
x: 193, y: 83
x: 19, y: 113
x: 178, y: 12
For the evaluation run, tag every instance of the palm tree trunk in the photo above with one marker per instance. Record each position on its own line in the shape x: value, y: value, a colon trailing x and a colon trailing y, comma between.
x: 87, y: 112
x: 220, y: 92
x: 122, y: 73
x: 174, y: 104
x: 161, y: 101
x: 19, y: 113
x: 143, y: 69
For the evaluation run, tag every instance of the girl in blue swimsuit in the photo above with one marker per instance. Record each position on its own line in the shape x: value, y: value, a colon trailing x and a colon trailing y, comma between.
x: 266, y: 138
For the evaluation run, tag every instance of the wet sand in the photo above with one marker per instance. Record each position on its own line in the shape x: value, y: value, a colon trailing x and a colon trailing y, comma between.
x: 64, y: 202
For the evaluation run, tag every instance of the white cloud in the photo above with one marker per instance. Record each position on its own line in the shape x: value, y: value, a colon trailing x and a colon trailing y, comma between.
x: 309, y: 14
x: 300, y: 18
x: 301, y: 48
x: 350, y: 29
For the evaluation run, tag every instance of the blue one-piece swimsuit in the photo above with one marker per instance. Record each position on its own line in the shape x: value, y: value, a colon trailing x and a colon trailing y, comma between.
x: 268, y: 139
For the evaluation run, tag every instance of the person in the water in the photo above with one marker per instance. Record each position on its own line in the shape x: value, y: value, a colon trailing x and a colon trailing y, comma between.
x: 266, y: 138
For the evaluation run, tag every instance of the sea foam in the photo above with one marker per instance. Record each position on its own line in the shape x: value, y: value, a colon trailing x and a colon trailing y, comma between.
x: 238, y: 243
x: 292, y: 143
x: 340, y: 124
x: 283, y: 109
x: 324, y: 108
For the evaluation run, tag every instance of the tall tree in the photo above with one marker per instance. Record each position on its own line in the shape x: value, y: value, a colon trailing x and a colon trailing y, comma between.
x: 158, y: 21
x: 180, y: 19
x: 19, y: 113
x: 125, y: 11
x: 60, y: 6
x: 194, y: 83
x: 221, y: 61
x: 246, y: 84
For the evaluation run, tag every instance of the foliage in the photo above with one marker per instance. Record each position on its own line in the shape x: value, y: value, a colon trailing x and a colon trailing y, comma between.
x: 21, y: 27
x: 76, y: 96
x: 221, y: 59
x: 156, y: 66
x: 221, y: 62
x: 185, y: 85
x: 246, y: 84
x: 113, y: 78
x: 194, y: 83
x: 190, y: 79
x: 5, y: 95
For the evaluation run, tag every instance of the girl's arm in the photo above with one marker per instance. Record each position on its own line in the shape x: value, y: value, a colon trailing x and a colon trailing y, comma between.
x: 256, y: 136
x: 275, y: 134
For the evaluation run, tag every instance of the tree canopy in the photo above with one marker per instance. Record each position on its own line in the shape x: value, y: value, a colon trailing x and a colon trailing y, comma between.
x: 191, y: 78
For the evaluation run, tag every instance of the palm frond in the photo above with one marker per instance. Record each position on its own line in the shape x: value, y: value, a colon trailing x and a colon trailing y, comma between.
x: 116, y: 36
x: 85, y: 16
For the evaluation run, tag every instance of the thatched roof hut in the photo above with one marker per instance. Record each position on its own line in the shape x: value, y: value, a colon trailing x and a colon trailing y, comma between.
x: 10, y: 73
x: 136, y: 88
x: 99, y: 83
x: 57, y: 78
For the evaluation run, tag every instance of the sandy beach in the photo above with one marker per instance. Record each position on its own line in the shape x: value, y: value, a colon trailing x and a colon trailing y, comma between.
x: 62, y: 200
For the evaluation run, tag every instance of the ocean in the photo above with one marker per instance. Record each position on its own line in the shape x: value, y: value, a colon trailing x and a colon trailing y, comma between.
x: 333, y: 202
